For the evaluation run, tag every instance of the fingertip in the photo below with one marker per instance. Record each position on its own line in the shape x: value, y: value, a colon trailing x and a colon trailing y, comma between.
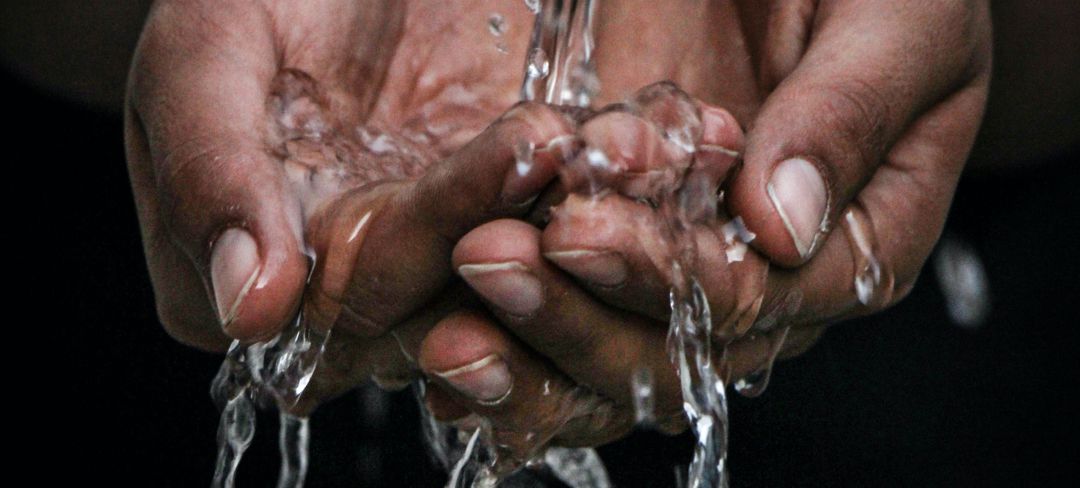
x: 456, y: 340
x: 786, y: 204
x: 466, y: 354
x: 257, y: 283
x: 720, y: 128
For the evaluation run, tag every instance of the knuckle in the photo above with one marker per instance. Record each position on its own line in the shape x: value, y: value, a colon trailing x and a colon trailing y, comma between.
x: 859, y: 113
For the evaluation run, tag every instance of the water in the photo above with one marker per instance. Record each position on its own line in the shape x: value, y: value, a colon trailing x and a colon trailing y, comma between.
x: 963, y: 281
x: 642, y: 384
x: 275, y: 372
x: 873, y: 282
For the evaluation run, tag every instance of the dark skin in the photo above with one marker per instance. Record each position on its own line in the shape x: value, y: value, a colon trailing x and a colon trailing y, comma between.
x: 881, y: 103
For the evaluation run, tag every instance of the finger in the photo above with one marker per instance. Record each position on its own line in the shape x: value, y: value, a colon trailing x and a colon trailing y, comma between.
x: 885, y: 236
x: 390, y: 360
x: 594, y: 344
x: 627, y: 154
x: 384, y: 251
x: 206, y: 189
x: 484, y: 369
x: 617, y: 250
x: 819, y: 137
x: 641, y: 148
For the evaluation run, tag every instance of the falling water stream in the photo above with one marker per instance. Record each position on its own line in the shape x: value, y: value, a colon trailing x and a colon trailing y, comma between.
x: 559, y: 69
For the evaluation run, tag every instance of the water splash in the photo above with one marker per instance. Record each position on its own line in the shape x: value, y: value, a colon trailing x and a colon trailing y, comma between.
x: 277, y: 372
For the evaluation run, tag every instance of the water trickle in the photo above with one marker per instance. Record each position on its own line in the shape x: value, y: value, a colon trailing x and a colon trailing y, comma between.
x: 873, y: 282
x: 235, y: 432
x: 293, y: 442
x: 559, y: 66
x: 704, y: 392
x: 754, y: 384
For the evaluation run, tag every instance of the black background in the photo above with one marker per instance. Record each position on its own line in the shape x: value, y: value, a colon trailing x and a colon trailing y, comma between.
x: 901, y: 399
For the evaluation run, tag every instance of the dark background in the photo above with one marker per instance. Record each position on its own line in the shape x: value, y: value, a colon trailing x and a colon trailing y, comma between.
x: 904, y: 398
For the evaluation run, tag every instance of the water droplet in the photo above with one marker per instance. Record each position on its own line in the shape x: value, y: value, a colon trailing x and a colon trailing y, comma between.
x: 496, y: 25
x: 537, y: 66
x: 963, y: 281
x: 642, y: 385
x: 597, y: 159
x: 873, y: 283
x: 754, y: 384
x: 523, y: 155
x: 533, y: 6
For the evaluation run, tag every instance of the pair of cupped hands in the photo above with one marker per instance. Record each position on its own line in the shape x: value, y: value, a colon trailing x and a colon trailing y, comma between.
x: 383, y: 139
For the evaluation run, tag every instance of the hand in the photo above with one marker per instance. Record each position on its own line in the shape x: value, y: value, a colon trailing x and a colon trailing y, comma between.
x: 550, y: 359
x: 859, y: 97
x: 258, y: 135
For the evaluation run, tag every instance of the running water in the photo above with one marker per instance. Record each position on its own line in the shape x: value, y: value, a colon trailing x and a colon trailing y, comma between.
x: 275, y: 372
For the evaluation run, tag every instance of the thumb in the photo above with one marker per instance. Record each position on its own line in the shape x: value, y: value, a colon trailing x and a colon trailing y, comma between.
x: 220, y: 227
x: 821, y: 135
x: 385, y: 253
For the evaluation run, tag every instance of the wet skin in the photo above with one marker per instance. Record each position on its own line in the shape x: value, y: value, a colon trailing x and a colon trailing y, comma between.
x: 229, y: 105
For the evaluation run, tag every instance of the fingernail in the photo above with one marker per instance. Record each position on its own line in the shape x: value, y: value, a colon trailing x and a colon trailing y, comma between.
x: 509, y: 286
x: 798, y: 192
x: 599, y: 267
x: 487, y: 380
x: 234, y: 265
